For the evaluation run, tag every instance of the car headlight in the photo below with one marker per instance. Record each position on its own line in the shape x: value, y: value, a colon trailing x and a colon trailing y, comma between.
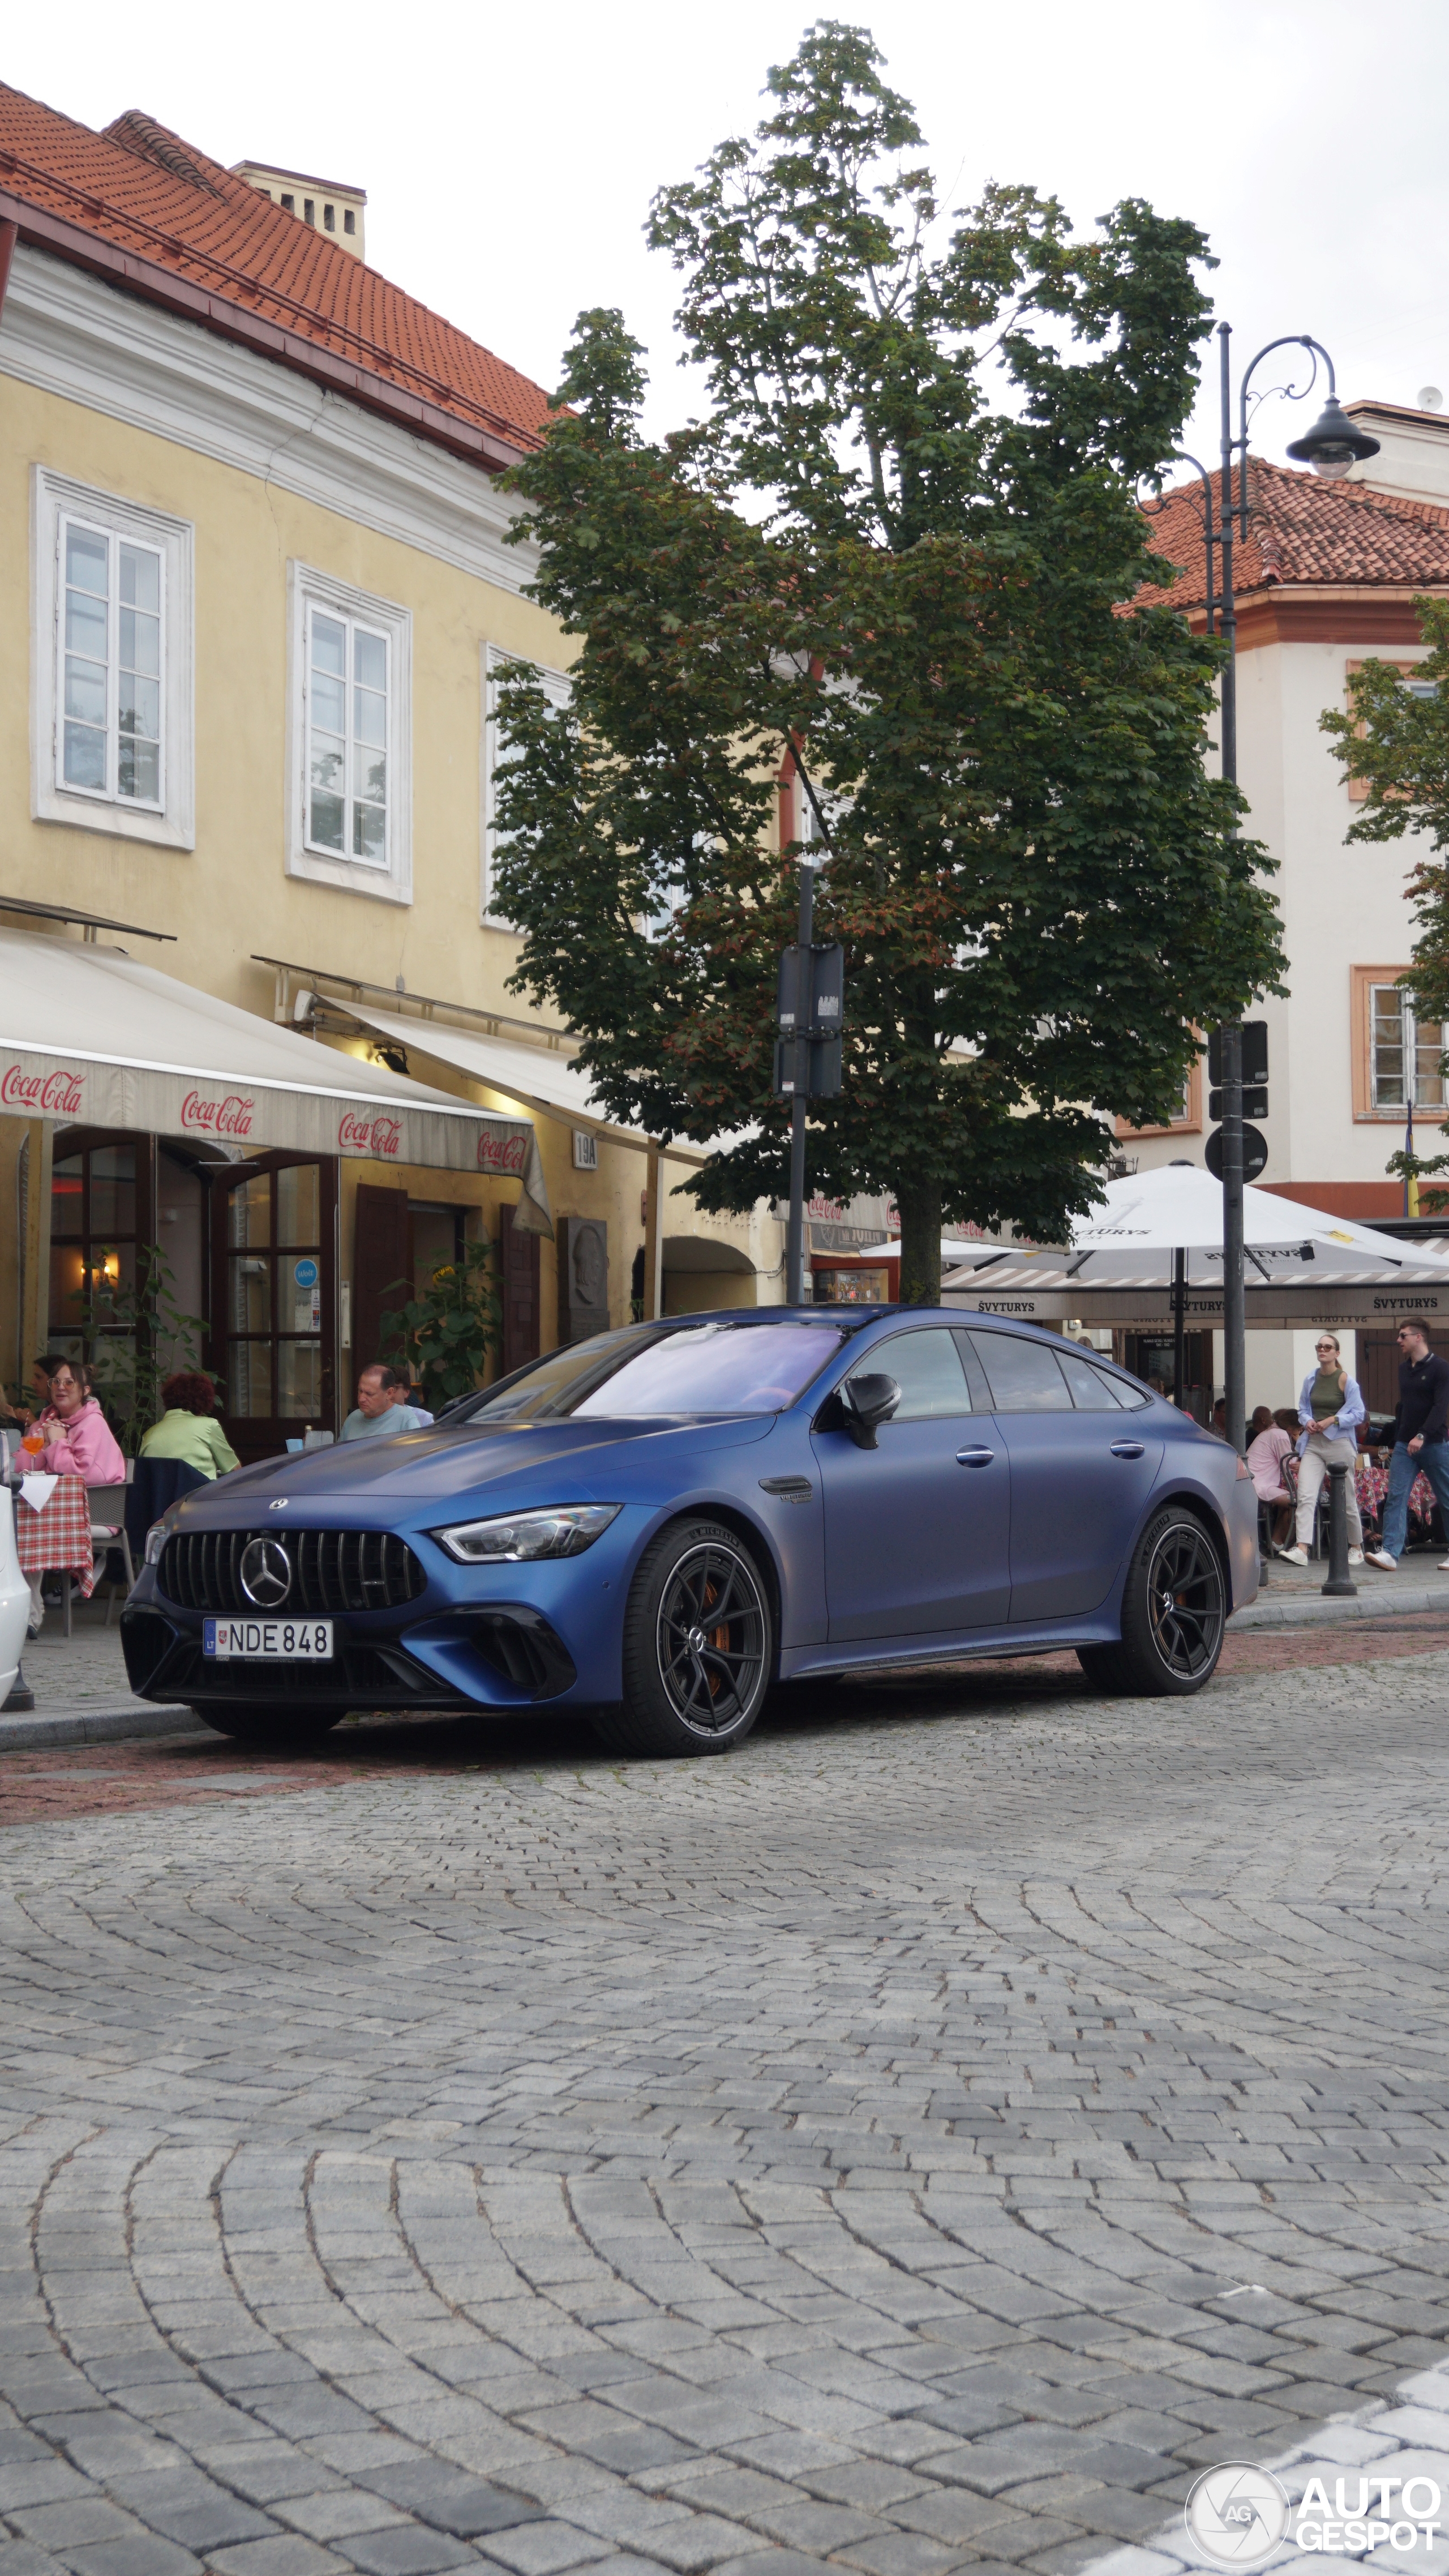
x: 156, y: 1538
x: 513, y: 1538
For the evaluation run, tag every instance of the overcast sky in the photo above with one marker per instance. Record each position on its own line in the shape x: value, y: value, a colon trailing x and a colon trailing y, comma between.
x: 509, y: 154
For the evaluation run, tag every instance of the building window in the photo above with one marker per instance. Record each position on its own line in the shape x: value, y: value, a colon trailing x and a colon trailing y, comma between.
x: 329, y: 218
x: 1396, y: 1054
x: 290, y: 203
x: 1403, y: 1049
x: 350, y: 726
x: 556, y: 689
x: 108, y: 742
x: 346, y: 738
x: 1186, y: 1119
x: 111, y: 675
x: 309, y: 211
x: 349, y: 220
x: 1418, y: 687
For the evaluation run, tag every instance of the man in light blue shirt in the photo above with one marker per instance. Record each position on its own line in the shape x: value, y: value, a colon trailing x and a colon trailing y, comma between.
x: 382, y: 1406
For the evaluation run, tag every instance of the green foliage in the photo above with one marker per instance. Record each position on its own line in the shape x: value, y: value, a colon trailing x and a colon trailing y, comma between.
x: 1399, y: 744
x: 1417, y: 1167
x: 136, y: 1336
x: 1039, y: 888
x: 444, y: 1337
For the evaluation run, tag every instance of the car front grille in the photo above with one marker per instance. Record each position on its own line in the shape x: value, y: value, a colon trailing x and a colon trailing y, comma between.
x: 330, y: 1570
x: 356, y: 1677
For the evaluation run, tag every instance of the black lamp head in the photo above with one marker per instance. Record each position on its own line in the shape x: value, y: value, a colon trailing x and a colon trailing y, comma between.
x: 1333, y: 445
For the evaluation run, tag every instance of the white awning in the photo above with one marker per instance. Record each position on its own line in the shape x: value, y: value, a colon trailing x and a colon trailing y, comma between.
x: 534, y: 1076
x: 89, y: 1036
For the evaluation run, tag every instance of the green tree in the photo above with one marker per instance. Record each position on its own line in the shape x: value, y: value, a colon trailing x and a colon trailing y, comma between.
x: 1396, y: 739
x: 444, y: 1337
x: 1039, y: 889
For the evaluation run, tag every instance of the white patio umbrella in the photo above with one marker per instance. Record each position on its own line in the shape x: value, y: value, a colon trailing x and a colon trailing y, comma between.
x: 1133, y: 1240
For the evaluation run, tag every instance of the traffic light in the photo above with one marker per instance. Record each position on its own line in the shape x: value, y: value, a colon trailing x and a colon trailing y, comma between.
x: 1255, y: 1099
x: 1255, y: 1069
x: 826, y: 989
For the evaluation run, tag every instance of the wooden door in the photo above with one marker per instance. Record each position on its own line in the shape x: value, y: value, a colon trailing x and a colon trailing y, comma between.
x: 273, y: 1336
x: 520, y: 1272
x: 381, y: 1268
x: 1377, y: 1371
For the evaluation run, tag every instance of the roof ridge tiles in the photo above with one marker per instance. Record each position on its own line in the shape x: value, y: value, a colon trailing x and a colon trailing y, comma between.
x: 136, y: 188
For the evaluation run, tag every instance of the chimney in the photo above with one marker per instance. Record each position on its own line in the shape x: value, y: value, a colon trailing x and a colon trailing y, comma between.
x: 332, y: 210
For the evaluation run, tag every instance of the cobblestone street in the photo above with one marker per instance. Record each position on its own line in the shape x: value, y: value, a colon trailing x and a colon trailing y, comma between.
x: 920, y: 2140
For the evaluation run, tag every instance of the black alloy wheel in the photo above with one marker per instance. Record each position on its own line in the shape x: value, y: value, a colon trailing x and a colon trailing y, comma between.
x: 698, y: 1645
x: 1174, y: 1614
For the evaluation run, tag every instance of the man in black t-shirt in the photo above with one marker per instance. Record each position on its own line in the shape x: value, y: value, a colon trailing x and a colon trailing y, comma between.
x: 1419, y: 1441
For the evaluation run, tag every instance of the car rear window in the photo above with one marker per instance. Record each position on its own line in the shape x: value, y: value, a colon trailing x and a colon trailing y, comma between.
x: 1024, y: 1375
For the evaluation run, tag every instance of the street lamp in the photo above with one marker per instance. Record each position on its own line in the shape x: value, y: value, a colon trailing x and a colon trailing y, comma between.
x: 1331, y: 447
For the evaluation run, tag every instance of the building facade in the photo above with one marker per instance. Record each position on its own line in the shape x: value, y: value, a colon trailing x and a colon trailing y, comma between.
x: 1325, y: 582
x: 256, y: 596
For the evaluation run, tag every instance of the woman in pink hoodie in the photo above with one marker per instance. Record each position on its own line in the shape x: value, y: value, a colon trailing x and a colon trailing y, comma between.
x: 78, y: 1438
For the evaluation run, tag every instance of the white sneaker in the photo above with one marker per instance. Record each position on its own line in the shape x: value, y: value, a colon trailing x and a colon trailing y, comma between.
x: 1443, y: 1566
x: 1386, y: 1564
x: 1355, y: 1557
x: 1294, y: 1555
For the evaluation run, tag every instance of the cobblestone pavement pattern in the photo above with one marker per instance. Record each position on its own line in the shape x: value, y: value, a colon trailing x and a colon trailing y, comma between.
x: 920, y: 2140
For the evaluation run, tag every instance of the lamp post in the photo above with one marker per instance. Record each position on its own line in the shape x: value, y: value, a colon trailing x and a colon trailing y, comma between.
x: 1332, y: 446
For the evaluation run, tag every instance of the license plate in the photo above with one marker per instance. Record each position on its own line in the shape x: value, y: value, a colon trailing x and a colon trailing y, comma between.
x: 268, y: 1641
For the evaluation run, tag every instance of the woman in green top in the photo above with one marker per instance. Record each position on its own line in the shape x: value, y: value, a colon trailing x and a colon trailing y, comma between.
x: 188, y: 1429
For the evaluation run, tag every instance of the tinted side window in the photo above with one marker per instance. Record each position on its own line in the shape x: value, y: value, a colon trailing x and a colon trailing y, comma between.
x: 1092, y: 1390
x: 1024, y: 1376
x: 928, y: 1371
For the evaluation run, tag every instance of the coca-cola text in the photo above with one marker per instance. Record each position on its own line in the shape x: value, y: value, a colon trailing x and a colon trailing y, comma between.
x: 43, y: 1095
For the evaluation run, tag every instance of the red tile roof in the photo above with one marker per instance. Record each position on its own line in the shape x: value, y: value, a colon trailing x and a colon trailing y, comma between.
x: 1302, y: 529
x: 147, y: 210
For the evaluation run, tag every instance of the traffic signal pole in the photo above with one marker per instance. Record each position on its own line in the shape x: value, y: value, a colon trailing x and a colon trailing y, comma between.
x: 800, y: 1099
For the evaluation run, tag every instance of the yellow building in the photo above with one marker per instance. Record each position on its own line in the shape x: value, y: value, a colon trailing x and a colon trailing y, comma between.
x: 257, y: 588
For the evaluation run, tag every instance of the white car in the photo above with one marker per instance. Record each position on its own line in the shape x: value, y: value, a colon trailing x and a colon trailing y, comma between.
x: 14, y: 1598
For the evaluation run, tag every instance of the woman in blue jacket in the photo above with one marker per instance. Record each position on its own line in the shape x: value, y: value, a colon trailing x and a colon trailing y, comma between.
x: 1329, y: 1408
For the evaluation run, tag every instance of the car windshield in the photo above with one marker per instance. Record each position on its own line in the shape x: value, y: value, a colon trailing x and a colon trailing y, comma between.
x: 700, y: 1368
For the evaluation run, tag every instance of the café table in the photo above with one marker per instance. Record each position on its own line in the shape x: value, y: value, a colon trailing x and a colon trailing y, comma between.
x: 57, y: 1539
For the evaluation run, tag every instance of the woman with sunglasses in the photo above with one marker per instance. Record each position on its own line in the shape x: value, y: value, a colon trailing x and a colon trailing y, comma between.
x: 1329, y: 1408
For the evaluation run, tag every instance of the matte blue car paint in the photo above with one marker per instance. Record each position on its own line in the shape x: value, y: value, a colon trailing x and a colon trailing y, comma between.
x: 661, y: 1470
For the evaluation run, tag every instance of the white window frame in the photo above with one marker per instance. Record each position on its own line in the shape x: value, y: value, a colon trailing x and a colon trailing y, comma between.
x: 1409, y: 1057
x: 56, y: 502
x: 558, y: 689
x: 309, y: 588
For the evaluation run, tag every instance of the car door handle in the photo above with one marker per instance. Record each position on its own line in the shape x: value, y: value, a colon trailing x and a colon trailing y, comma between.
x: 1126, y: 1448
x: 974, y: 1457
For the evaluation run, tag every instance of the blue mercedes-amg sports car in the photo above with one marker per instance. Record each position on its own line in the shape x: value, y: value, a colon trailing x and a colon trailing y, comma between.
x: 660, y: 1524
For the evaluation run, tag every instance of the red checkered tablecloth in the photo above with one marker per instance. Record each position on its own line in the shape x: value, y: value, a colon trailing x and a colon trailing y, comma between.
x: 57, y: 1540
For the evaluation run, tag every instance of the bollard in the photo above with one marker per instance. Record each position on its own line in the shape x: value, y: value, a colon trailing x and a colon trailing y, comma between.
x: 1338, y: 1533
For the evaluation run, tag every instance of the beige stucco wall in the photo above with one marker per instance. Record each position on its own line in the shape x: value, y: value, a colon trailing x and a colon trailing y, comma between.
x: 231, y: 896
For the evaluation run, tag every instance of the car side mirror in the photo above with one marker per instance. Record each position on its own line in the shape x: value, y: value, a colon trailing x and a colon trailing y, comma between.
x: 865, y: 1403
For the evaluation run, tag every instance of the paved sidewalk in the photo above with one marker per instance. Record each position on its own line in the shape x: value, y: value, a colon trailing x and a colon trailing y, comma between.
x: 919, y: 2141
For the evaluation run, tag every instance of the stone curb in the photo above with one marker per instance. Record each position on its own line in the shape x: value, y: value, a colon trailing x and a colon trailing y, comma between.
x: 1380, y: 1598
x: 23, y: 1734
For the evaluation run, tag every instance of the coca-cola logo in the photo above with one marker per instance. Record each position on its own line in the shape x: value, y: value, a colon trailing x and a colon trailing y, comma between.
x: 503, y: 1154
x: 44, y: 1095
x: 360, y: 1134
x: 232, y: 1116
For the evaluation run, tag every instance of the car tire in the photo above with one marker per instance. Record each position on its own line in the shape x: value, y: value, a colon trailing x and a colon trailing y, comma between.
x: 1174, y: 1614
x: 276, y: 1727
x: 699, y: 1645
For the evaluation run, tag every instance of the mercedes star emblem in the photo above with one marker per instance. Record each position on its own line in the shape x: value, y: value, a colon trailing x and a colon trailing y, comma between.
x: 266, y: 1572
